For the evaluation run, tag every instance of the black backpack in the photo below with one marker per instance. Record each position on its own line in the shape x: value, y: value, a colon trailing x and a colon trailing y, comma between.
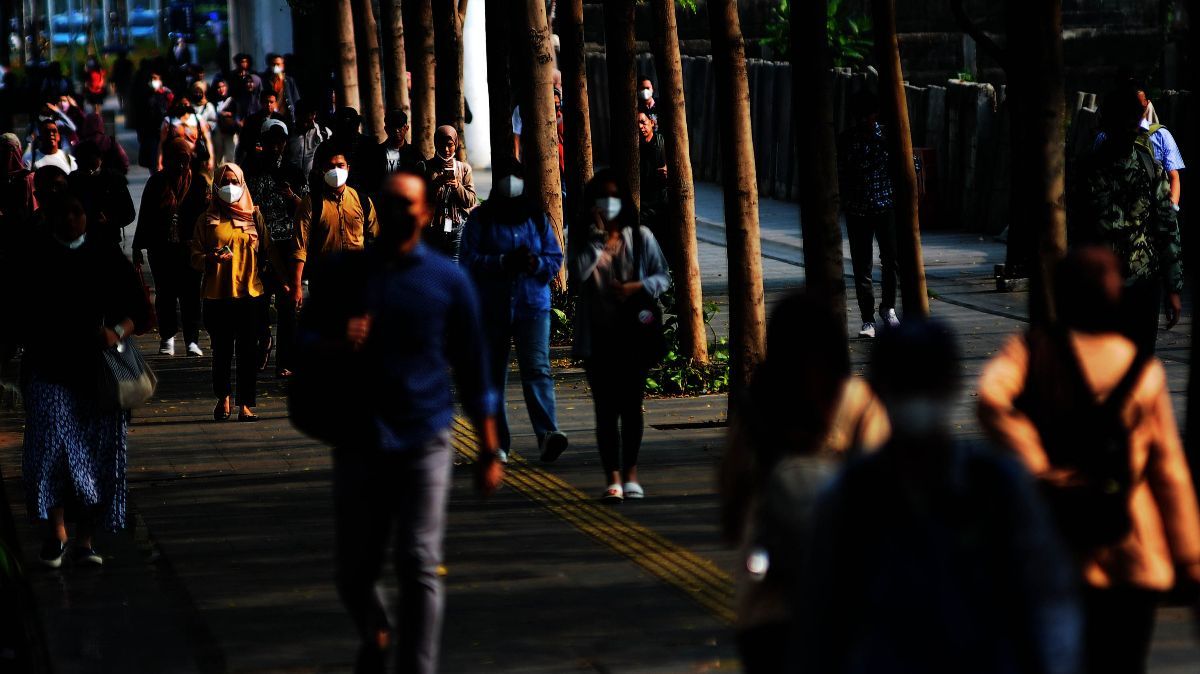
x: 1083, y: 434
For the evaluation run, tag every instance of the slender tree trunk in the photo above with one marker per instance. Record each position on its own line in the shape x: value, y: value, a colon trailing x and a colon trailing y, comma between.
x: 622, y: 92
x: 895, y: 110
x: 347, y: 56
x: 394, y: 69
x: 540, y: 147
x: 812, y: 102
x: 422, y: 63
x: 371, y: 80
x: 447, y: 26
x: 577, y: 124
x: 747, y: 314
x: 681, y: 204
x: 1192, y: 421
x: 1038, y: 105
x: 496, y: 18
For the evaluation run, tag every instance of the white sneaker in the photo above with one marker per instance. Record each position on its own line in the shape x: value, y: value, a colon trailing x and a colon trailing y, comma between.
x: 193, y: 349
x: 167, y: 347
x: 891, y: 319
x: 868, y: 330
x: 502, y: 456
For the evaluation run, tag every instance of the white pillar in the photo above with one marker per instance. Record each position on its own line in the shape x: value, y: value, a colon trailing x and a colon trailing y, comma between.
x: 475, y: 84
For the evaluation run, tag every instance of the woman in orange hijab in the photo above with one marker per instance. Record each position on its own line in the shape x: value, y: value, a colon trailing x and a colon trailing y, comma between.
x: 229, y: 247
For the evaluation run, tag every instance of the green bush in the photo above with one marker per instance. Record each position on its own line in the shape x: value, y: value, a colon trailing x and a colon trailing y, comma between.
x: 849, y: 34
x: 682, y: 376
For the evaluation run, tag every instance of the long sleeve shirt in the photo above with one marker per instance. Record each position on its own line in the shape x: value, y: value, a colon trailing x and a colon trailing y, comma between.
x: 240, y: 276
x: 425, y: 324
x: 488, y: 236
x: 334, y: 223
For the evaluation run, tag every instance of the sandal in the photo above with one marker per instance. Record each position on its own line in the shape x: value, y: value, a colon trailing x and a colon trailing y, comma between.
x: 613, y: 494
x: 634, y: 490
x: 247, y: 417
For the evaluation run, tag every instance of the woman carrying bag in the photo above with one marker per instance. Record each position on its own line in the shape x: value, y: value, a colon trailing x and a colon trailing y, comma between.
x: 231, y: 246
x: 620, y: 274
x: 75, y: 445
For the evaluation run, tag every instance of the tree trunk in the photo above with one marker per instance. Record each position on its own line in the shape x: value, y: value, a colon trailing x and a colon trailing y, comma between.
x: 496, y: 19
x: 577, y: 123
x: 681, y: 204
x: 1037, y: 101
x: 1192, y: 422
x: 540, y: 130
x: 622, y: 93
x: 812, y: 103
x: 895, y: 110
x: 371, y: 80
x: 422, y: 63
x: 747, y: 315
x: 347, y: 56
x: 447, y: 26
x: 394, y: 69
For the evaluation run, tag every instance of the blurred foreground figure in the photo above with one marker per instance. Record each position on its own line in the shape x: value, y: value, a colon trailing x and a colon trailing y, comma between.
x: 1090, y: 415
x: 803, y: 414
x: 930, y: 556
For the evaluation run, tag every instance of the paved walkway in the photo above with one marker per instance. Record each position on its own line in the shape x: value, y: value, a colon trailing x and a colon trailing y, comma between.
x: 228, y: 566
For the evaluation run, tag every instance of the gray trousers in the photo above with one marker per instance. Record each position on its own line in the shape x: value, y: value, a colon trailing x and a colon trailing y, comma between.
x: 377, y: 495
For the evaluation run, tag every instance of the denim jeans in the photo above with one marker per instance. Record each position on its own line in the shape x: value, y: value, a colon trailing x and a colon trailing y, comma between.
x: 532, y: 338
x: 378, y: 495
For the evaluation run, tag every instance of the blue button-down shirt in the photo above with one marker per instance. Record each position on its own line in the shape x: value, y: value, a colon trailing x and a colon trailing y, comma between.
x: 491, y: 233
x: 1163, y: 144
x: 425, y: 324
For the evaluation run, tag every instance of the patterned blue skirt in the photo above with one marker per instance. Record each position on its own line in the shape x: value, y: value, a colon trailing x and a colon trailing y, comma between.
x: 75, y: 455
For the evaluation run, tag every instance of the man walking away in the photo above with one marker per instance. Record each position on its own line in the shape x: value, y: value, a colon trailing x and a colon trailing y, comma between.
x: 1121, y: 198
x: 405, y: 316
x: 867, y: 191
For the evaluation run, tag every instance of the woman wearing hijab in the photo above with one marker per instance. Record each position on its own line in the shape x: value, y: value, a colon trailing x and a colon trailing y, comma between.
x: 183, y: 122
x: 453, y: 191
x: 16, y: 192
x: 171, y: 202
x: 111, y: 152
x: 230, y: 246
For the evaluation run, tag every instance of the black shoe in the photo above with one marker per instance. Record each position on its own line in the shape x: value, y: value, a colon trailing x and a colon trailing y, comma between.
x: 553, y: 445
x: 87, y: 556
x: 52, y: 553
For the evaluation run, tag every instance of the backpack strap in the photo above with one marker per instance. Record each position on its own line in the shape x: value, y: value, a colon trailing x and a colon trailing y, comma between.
x: 1120, y: 394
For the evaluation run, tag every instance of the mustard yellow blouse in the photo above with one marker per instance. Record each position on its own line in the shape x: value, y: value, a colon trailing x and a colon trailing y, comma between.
x: 240, y: 276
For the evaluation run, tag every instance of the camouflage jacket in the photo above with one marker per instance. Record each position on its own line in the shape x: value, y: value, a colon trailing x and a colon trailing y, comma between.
x: 1124, y: 200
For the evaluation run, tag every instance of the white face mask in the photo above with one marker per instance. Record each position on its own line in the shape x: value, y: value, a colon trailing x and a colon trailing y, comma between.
x: 278, y: 70
x: 647, y: 94
x: 156, y: 84
x: 336, y: 177
x: 510, y: 186
x: 609, y: 207
x: 229, y: 193
x: 74, y: 245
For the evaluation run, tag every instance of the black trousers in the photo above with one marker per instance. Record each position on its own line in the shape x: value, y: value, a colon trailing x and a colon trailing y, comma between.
x: 285, y: 334
x: 233, y: 326
x: 861, y: 230
x: 1118, y: 627
x: 1141, y: 304
x: 617, y: 391
x: 176, y: 283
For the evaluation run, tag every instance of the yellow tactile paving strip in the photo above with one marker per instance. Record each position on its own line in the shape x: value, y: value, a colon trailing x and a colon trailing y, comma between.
x: 697, y: 577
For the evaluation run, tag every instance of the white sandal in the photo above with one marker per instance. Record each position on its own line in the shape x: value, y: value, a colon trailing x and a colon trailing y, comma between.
x: 634, y: 490
x: 613, y: 494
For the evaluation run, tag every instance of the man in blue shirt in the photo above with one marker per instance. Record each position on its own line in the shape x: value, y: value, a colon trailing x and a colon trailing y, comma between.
x: 513, y: 253
x: 1159, y: 141
x: 403, y: 317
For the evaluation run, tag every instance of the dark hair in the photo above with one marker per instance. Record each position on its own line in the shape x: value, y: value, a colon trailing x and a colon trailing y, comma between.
x: 305, y: 107
x: 88, y: 149
x: 395, y: 119
x: 591, y: 191
x: 1122, y: 111
x: 863, y: 103
x: 240, y: 56
x: 46, y: 175
x: 919, y: 356
x: 329, y: 150
x: 271, y: 56
x: 267, y: 93
x: 507, y: 165
x: 1084, y: 284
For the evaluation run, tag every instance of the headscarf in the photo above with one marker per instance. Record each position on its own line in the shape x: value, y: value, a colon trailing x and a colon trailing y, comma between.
x: 14, y: 160
x: 179, y: 180
x: 93, y: 130
x: 439, y: 138
x: 240, y: 212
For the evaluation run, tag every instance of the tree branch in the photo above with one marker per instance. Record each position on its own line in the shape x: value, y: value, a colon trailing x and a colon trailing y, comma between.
x: 976, y: 33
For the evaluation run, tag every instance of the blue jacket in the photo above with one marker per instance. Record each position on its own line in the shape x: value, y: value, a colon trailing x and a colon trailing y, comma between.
x: 495, y: 229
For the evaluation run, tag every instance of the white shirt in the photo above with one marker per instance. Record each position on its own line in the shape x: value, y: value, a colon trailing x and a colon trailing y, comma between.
x: 60, y: 159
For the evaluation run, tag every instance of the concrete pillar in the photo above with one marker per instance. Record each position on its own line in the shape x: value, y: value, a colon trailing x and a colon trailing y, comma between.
x: 475, y: 89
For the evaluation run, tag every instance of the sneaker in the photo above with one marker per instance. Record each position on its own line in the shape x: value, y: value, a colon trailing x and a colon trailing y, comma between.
x: 614, y: 494
x: 554, y: 444
x: 88, y: 556
x: 889, y: 317
x: 502, y: 456
x: 167, y: 347
x: 868, y: 330
x: 52, y: 553
x: 193, y: 349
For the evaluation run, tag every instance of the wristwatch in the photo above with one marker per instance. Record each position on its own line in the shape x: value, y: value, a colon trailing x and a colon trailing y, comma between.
x: 119, y: 329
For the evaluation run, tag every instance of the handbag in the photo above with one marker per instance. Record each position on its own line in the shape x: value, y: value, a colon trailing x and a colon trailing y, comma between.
x: 641, y: 316
x: 126, y: 381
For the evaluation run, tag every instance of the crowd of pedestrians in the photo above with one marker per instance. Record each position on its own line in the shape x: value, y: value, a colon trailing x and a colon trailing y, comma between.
x: 872, y: 538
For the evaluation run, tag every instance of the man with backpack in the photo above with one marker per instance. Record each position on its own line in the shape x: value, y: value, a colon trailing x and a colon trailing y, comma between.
x: 1158, y: 141
x: 1120, y: 197
x: 1089, y: 413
